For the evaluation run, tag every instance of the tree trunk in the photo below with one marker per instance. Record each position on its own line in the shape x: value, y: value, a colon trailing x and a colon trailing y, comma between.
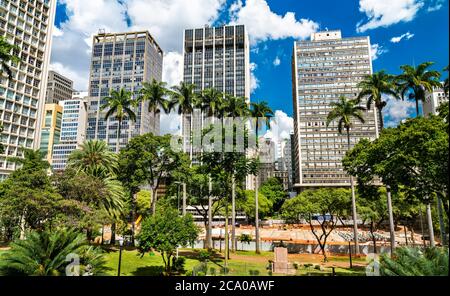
x: 257, y: 250
x: 184, y: 199
x: 412, y: 235
x: 417, y: 107
x: 406, y: 236
x: 391, y: 219
x: 113, y: 234
x: 154, y: 199
x: 354, y: 214
x: 210, y: 218
x: 421, y: 226
x: 430, y: 226
x: 133, y: 217
x: 380, y: 116
x: 374, y: 240
x: 441, y: 222
x: 233, y: 215
x: 118, y: 136
x: 226, y: 236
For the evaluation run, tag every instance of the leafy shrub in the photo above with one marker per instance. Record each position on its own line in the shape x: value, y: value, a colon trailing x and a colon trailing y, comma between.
x: 204, y: 255
x: 415, y: 262
x: 178, y: 264
x: 224, y: 270
x: 296, y: 265
x: 212, y: 271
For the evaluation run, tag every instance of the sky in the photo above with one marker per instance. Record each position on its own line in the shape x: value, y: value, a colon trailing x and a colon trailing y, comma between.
x: 401, y: 32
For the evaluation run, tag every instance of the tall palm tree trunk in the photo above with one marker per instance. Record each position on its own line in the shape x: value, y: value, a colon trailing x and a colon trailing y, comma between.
x: 257, y: 249
x: 380, y: 116
x: 391, y: 219
x: 354, y: 215
x: 113, y: 225
x: 227, y: 238
x: 430, y: 225
x: 233, y: 215
x: 209, y: 229
x: 417, y: 107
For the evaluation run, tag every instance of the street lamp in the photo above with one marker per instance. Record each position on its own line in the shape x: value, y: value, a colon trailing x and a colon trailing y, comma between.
x: 120, y: 255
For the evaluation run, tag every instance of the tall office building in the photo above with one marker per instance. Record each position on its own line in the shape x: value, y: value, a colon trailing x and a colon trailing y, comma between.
x: 73, y: 131
x: 433, y: 100
x: 28, y: 25
x: 122, y: 60
x: 325, y: 68
x: 59, y: 88
x: 50, y: 130
x: 216, y: 57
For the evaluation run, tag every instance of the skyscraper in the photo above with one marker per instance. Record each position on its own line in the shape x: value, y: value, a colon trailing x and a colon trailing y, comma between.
x: 28, y: 25
x: 73, y: 131
x: 122, y: 60
x: 323, y: 69
x: 59, y: 88
x: 50, y: 130
x: 216, y: 57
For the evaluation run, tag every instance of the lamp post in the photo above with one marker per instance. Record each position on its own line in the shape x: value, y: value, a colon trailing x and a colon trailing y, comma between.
x: 120, y: 255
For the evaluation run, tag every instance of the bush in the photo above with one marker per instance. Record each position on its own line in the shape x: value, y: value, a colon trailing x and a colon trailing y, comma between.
x: 178, y: 264
x: 296, y: 265
x: 204, y: 255
x: 188, y: 273
x: 212, y: 271
x: 415, y: 262
x: 224, y: 270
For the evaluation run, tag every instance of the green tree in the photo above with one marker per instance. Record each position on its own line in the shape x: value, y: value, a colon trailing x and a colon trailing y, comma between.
x: 164, y: 232
x: 415, y: 81
x: 345, y: 112
x: 120, y: 104
x: 415, y: 262
x: 155, y: 94
x: 258, y: 111
x: 245, y: 238
x: 274, y: 191
x: 149, y: 159
x: 445, y: 86
x: 412, y: 156
x: 45, y: 253
x: 8, y: 53
x: 324, y: 207
x: 247, y: 204
x: 94, y: 159
x: 373, y: 87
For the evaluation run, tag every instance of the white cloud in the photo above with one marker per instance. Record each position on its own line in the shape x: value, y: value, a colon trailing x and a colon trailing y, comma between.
x: 254, y: 82
x: 397, y: 110
x: 376, y: 50
x: 172, y: 68
x: 276, y: 61
x: 170, y: 123
x: 383, y: 13
x: 263, y: 24
x: 436, y: 5
x: 167, y: 19
x: 281, y: 126
x: 397, y: 39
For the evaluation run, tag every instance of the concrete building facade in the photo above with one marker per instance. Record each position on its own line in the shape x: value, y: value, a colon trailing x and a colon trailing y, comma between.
x: 73, y: 131
x: 122, y: 60
x: 59, y: 88
x: 28, y: 25
x: 433, y: 100
x: 324, y: 68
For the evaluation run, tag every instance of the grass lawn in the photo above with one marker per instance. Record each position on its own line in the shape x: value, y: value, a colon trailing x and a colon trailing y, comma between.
x: 243, y: 263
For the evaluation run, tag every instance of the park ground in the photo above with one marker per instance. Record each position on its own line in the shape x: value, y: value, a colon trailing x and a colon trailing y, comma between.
x: 241, y: 263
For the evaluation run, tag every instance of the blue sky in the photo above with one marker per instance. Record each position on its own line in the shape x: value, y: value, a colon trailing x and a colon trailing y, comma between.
x: 273, y: 25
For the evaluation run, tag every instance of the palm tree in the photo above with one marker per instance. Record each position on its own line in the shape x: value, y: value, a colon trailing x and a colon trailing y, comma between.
x: 184, y: 98
x: 45, y: 254
x: 416, y: 81
x: 155, y: 93
x: 344, y: 111
x: 6, y: 56
x: 373, y: 87
x: 211, y: 100
x: 31, y: 160
x: 94, y: 159
x: 119, y: 104
x: 257, y: 111
x: 234, y: 107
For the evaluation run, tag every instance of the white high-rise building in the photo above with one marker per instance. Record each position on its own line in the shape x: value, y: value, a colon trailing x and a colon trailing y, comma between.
x: 433, y: 100
x: 323, y: 69
x: 73, y: 131
x: 28, y: 25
